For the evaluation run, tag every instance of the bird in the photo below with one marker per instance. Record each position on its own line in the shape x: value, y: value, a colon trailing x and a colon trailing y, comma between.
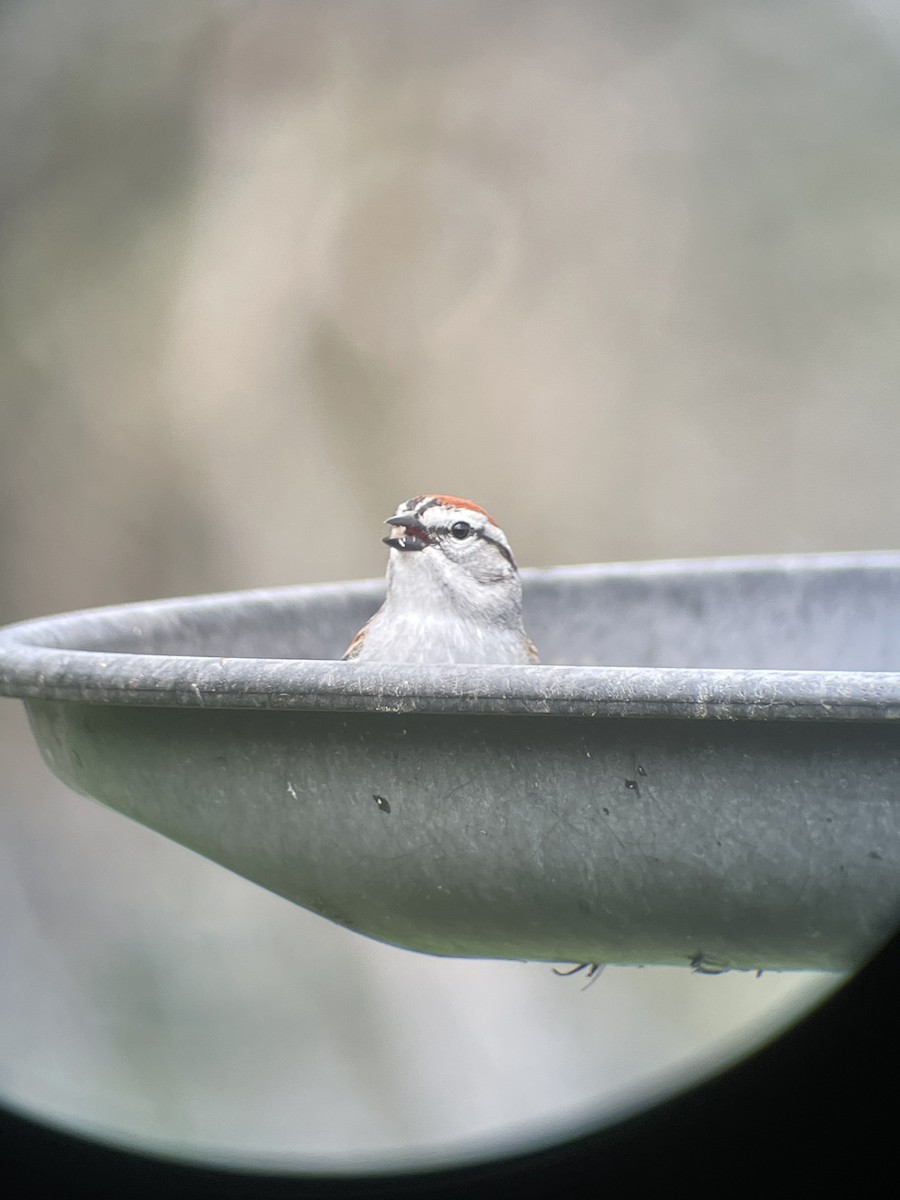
x: 453, y: 590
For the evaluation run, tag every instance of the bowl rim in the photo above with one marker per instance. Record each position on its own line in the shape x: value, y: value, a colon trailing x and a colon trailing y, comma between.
x: 36, y: 664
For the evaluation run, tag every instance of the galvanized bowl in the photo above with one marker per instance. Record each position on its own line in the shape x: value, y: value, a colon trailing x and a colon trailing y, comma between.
x: 710, y: 777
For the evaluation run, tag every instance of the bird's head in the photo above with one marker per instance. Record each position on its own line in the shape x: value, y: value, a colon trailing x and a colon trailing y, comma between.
x: 450, y: 546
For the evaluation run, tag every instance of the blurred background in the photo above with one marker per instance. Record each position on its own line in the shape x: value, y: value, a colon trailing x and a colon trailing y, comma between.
x: 627, y: 274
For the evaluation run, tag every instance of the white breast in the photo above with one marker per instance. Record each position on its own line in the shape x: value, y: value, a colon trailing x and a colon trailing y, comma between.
x: 432, y: 638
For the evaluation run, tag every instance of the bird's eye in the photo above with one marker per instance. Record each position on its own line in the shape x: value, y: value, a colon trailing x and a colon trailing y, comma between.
x: 461, y: 529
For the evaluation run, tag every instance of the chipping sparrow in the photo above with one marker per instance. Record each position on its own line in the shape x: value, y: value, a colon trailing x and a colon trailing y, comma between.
x: 453, y: 590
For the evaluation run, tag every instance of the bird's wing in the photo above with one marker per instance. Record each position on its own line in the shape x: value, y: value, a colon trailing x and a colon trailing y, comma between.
x: 356, y: 645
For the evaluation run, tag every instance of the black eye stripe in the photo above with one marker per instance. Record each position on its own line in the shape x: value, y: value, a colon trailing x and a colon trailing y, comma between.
x: 503, y: 550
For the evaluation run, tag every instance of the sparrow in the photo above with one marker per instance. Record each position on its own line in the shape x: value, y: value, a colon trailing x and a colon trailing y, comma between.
x: 453, y: 590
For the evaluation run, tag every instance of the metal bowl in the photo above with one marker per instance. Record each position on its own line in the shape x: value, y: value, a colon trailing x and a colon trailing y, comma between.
x: 723, y: 791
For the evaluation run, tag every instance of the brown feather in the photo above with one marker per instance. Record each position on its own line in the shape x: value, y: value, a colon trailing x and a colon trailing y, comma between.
x: 356, y: 645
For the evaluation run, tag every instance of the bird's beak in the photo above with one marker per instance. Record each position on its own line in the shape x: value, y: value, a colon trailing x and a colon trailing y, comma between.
x: 414, y: 536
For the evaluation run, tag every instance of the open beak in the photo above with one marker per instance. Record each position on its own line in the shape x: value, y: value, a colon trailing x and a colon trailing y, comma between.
x: 414, y: 535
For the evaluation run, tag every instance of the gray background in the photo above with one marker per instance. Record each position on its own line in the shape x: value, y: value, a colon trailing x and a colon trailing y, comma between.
x: 624, y: 273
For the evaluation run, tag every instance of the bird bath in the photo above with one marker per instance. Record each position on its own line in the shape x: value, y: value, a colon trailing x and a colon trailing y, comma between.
x: 722, y: 792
